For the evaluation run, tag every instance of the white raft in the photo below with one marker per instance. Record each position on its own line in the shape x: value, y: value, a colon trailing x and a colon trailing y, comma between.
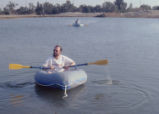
x: 77, y: 25
x: 62, y: 80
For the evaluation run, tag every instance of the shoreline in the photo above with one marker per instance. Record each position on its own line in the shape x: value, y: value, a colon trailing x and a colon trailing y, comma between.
x: 67, y: 14
x: 139, y: 14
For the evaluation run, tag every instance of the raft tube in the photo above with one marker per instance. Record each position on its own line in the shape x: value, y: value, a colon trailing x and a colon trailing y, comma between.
x: 62, y: 80
x: 78, y: 25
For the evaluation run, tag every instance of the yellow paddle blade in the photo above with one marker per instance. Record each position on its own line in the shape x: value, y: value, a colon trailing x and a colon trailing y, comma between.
x: 17, y: 66
x: 100, y: 62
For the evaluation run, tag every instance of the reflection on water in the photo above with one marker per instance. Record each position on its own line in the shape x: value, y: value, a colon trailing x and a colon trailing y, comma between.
x: 54, y: 94
x: 119, y: 94
x: 13, y: 99
x: 106, y: 82
x: 15, y: 85
x: 128, y: 96
x: 16, y: 99
x: 49, y: 93
x: 13, y: 93
x: 99, y: 96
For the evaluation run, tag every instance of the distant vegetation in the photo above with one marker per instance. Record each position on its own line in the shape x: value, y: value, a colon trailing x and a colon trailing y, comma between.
x: 47, y: 8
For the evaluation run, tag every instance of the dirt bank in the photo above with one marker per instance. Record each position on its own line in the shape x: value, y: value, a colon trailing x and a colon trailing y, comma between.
x: 139, y: 14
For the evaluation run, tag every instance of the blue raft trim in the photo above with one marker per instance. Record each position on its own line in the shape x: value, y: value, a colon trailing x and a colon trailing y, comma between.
x: 67, y: 80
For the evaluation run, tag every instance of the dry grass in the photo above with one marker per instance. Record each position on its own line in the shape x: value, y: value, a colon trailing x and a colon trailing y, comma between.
x: 139, y: 14
x: 68, y: 14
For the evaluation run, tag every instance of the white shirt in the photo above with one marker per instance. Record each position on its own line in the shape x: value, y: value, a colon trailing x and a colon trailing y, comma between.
x: 58, y: 63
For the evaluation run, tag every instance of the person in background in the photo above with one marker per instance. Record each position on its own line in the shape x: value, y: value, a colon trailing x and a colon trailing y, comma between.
x: 58, y: 62
x: 77, y: 21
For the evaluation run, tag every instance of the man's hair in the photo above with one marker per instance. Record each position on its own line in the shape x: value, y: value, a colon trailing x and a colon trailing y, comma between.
x: 59, y: 47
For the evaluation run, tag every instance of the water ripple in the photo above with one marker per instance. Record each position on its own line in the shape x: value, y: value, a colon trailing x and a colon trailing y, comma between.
x: 12, y: 100
x: 121, y: 94
x: 106, y: 82
x: 15, y: 85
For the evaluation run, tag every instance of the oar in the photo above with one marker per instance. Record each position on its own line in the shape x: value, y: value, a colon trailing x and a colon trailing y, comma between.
x: 19, y: 66
x: 99, y: 62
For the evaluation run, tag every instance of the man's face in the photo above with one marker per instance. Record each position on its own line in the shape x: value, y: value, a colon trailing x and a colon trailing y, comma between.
x: 57, y: 51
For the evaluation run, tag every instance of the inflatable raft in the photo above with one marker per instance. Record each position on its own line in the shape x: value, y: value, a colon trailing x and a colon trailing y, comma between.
x: 62, y: 80
x: 77, y: 25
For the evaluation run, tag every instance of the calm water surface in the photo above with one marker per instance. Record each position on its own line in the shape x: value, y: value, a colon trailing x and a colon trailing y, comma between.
x: 128, y: 85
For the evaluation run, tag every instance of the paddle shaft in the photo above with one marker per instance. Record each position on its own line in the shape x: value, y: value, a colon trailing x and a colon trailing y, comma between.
x: 85, y: 64
x: 44, y: 68
x: 19, y: 66
x: 36, y: 67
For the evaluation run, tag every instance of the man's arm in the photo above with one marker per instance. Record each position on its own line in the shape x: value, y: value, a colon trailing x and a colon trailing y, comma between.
x: 68, y: 62
x: 48, y: 64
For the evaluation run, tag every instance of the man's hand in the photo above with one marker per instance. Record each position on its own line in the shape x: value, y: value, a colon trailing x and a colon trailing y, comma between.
x: 66, y: 67
x: 52, y: 67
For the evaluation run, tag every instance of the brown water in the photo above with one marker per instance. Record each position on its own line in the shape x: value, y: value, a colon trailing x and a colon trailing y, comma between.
x: 127, y: 85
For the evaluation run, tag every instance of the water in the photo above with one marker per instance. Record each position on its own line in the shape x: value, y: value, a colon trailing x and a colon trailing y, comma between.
x: 127, y: 85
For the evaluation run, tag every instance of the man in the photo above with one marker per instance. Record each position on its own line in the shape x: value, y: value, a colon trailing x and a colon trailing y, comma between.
x: 58, y: 62
x: 77, y: 22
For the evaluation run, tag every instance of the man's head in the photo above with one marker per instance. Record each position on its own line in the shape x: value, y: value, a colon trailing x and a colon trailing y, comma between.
x: 57, y: 51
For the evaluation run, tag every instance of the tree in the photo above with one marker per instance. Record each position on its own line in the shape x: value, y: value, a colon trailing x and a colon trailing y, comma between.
x: 108, y: 7
x: 6, y: 11
x: 97, y: 8
x: 22, y: 10
x: 1, y: 11
x: 130, y: 8
x: 145, y: 7
x: 85, y: 8
x: 39, y: 9
x: 55, y: 10
x: 121, y: 5
x: 155, y: 8
x: 10, y: 7
x: 26, y: 10
x: 31, y: 8
x: 48, y: 8
x: 68, y: 7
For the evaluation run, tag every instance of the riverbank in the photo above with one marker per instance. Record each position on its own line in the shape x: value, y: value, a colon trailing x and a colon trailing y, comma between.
x: 139, y: 14
x: 68, y: 14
